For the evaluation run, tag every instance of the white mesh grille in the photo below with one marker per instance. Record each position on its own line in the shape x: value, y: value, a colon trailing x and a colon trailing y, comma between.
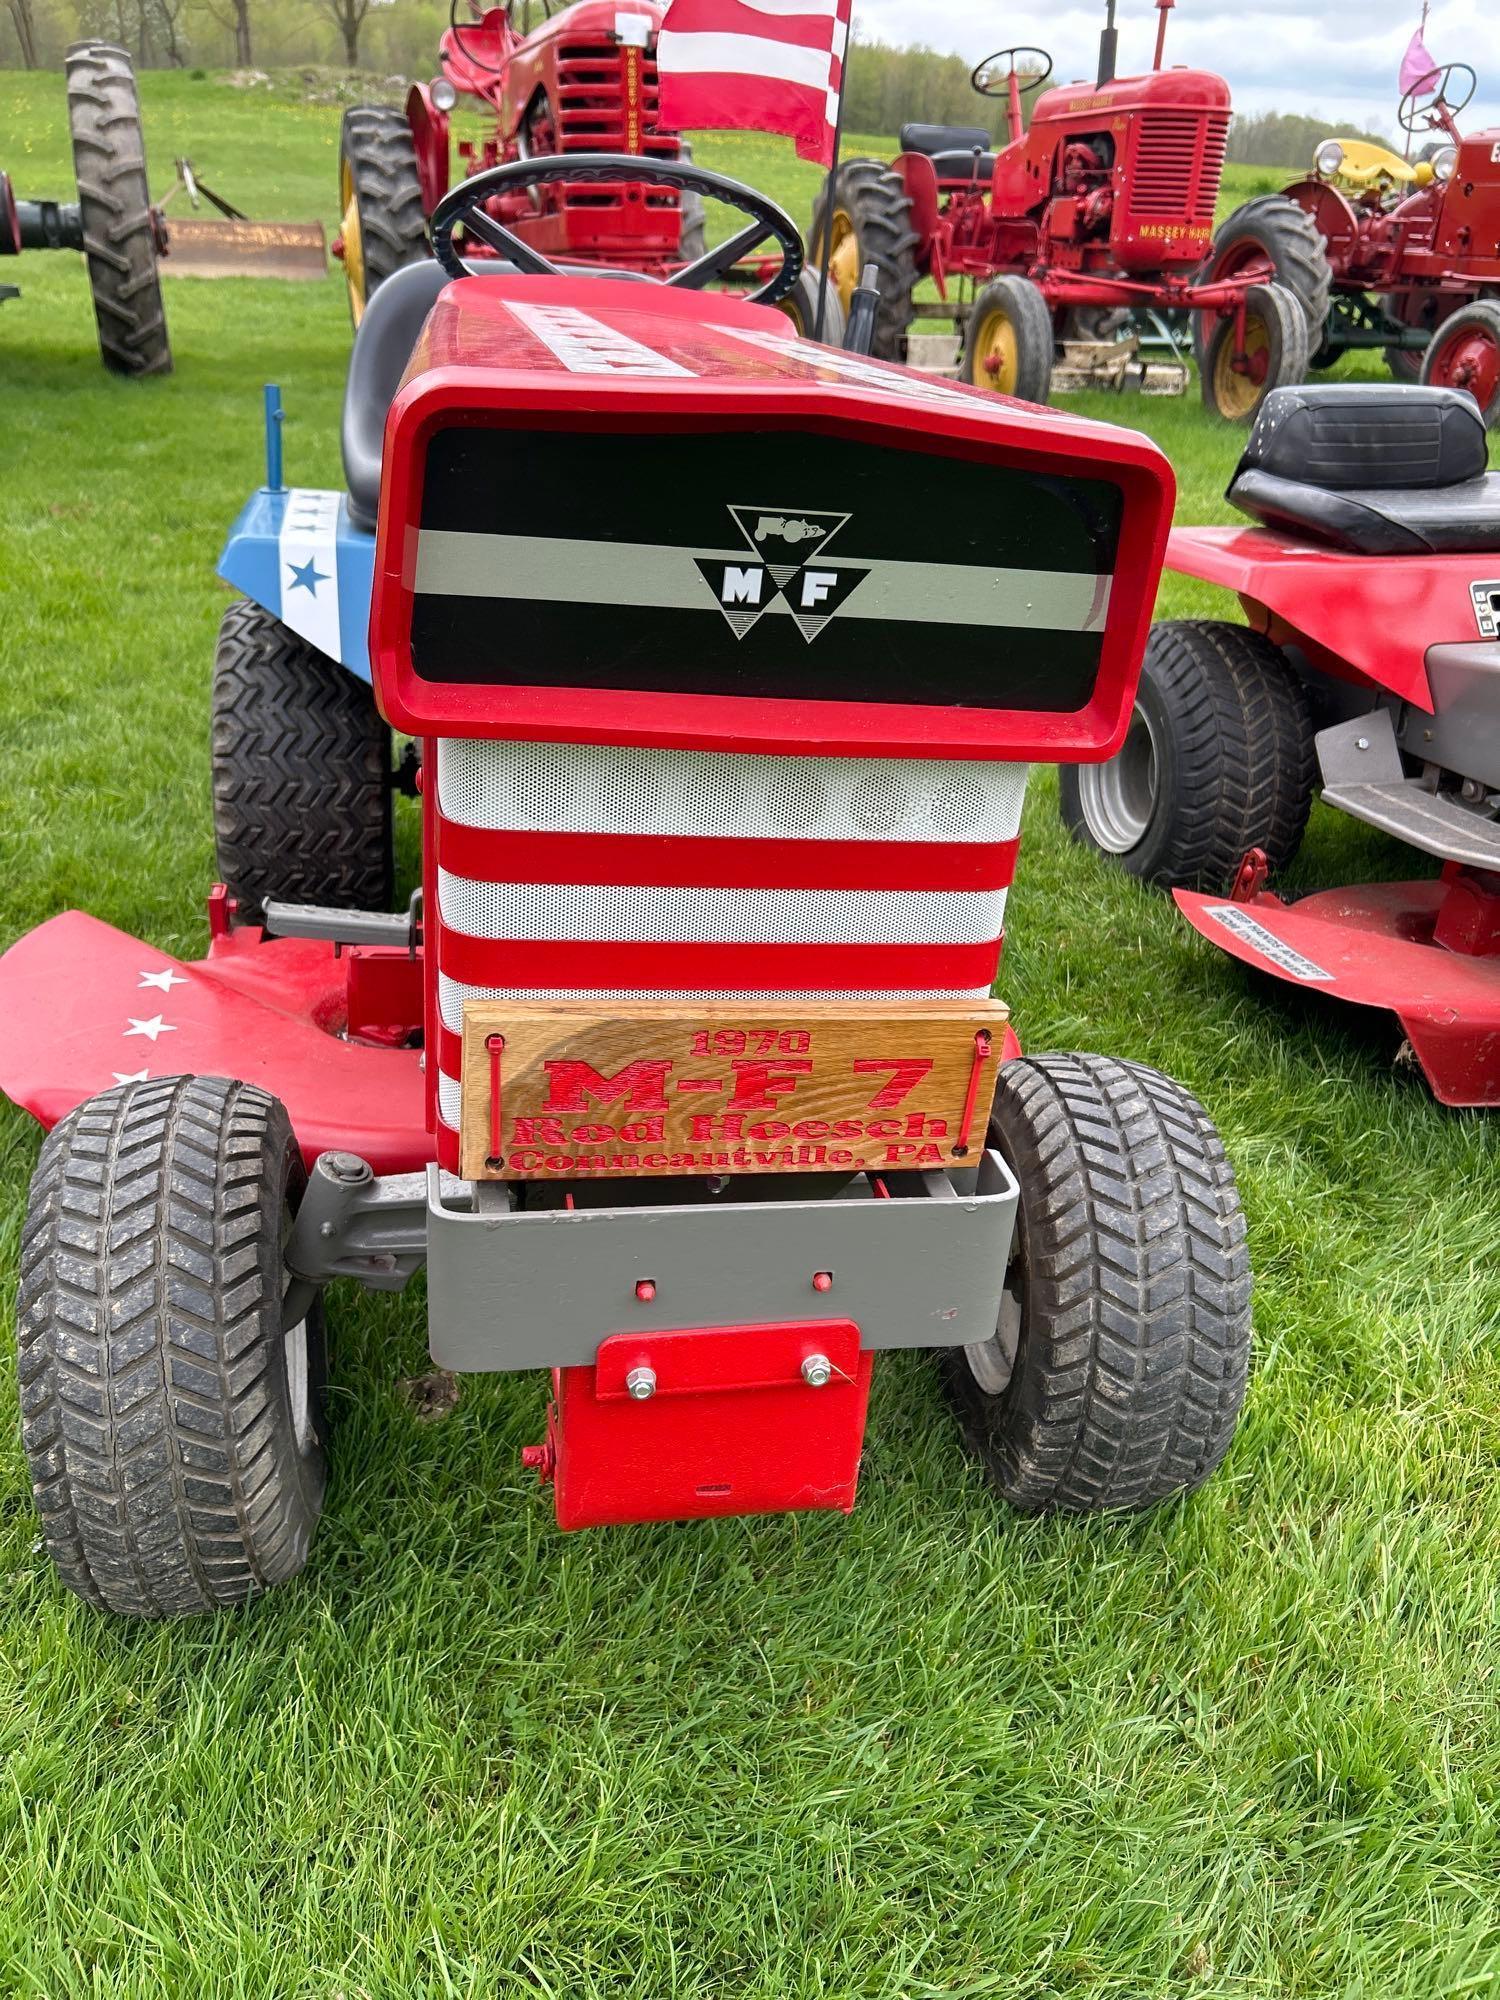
x: 449, y: 1092
x: 719, y: 916
x: 452, y: 994
x: 586, y: 788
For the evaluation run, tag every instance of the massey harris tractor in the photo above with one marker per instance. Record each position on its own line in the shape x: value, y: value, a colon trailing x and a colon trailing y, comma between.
x: 1102, y: 207
x: 681, y: 1073
x: 1369, y: 667
x: 1405, y: 254
x: 112, y: 222
x: 582, y: 81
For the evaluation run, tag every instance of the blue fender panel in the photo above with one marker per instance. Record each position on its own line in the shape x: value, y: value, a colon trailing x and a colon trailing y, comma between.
x: 294, y: 551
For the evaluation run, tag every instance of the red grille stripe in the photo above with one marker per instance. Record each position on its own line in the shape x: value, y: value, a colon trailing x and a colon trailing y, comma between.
x: 709, y: 968
x: 667, y: 861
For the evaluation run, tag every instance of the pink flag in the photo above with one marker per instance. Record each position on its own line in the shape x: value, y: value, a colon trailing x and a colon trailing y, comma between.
x: 1417, y: 67
x: 756, y: 66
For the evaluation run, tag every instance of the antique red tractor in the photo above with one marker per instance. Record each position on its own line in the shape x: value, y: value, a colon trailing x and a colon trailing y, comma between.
x: 1405, y: 255
x: 581, y: 80
x: 1103, y: 206
x: 1369, y: 666
x: 681, y: 1075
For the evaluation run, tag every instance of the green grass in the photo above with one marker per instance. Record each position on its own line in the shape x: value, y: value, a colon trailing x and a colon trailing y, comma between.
x: 1244, y: 1747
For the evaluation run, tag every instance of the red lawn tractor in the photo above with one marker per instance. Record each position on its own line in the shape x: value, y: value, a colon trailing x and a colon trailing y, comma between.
x: 1370, y: 666
x: 1103, y: 207
x: 681, y: 1074
x: 1405, y: 255
x: 581, y: 80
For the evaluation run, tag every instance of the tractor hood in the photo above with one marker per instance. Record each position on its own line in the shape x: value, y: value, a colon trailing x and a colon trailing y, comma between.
x: 618, y: 513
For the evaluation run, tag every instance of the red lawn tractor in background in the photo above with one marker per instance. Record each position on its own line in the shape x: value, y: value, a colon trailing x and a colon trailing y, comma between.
x: 1369, y: 665
x: 1389, y: 253
x: 681, y: 1075
x: 1104, y: 207
x: 582, y: 79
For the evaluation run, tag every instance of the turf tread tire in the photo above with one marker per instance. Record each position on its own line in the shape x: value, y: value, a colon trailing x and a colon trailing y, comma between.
x: 155, y: 1415
x: 301, y: 772
x: 119, y: 230
x: 1135, y: 1338
x: 874, y: 196
x: 376, y: 142
x: 1239, y: 765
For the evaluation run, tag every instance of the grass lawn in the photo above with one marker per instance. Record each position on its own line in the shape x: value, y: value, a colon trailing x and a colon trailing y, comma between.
x: 1245, y: 1746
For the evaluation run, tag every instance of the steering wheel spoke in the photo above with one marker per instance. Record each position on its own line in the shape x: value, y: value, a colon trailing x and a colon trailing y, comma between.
x: 465, y: 208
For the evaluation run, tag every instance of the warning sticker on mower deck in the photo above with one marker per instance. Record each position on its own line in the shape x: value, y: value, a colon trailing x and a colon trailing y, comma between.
x: 1238, y: 920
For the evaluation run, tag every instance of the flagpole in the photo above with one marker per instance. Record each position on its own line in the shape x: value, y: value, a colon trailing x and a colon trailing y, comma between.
x: 833, y: 185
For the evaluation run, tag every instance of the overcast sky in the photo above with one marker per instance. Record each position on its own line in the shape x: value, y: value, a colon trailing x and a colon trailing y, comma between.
x: 1338, y: 57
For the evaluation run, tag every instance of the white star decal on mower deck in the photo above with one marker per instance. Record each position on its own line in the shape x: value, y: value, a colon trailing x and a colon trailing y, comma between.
x: 166, y: 979
x: 150, y: 1029
x: 131, y: 1076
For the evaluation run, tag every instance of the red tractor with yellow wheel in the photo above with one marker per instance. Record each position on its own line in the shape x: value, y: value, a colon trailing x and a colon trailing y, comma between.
x: 1101, y: 208
x: 1390, y: 253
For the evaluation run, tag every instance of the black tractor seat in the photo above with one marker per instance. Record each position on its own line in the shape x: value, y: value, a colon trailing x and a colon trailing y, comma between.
x: 951, y: 149
x: 383, y: 345
x: 1372, y: 469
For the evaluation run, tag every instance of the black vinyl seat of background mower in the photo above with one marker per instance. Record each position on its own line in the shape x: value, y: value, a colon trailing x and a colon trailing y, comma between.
x: 951, y: 149
x: 1373, y: 470
x: 383, y: 342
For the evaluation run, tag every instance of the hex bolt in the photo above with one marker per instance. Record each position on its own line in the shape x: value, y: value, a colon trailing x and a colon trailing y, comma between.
x: 645, y: 1290
x: 640, y: 1384
x: 822, y: 1281
x: 1362, y: 743
x: 817, y: 1371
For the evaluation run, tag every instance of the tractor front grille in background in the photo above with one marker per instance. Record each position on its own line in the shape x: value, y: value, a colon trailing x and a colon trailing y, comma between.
x: 594, y: 110
x: 1172, y: 177
x: 574, y: 871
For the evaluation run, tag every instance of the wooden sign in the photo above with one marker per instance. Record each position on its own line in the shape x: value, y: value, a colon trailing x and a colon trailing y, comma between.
x: 568, y: 1090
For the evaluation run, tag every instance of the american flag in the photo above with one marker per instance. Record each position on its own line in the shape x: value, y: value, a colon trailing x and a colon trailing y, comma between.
x: 755, y: 66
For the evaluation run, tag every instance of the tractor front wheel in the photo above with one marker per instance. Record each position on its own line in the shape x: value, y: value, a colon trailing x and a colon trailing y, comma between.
x: 119, y: 227
x: 1117, y: 1369
x: 1276, y: 242
x: 1219, y: 758
x: 1465, y: 354
x: 867, y: 220
x: 800, y: 306
x: 1008, y: 341
x: 382, y: 222
x: 1236, y: 379
x: 173, y: 1424
x: 301, y: 772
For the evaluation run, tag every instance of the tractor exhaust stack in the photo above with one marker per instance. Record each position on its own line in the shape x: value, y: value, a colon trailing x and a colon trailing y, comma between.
x: 1109, y: 45
x: 1165, y: 7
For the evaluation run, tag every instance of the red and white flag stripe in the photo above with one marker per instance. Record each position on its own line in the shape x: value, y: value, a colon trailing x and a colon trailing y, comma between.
x: 755, y: 66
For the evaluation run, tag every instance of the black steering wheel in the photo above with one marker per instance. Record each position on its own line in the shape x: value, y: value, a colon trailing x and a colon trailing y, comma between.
x: 1414, y: 113
x: 988, y: 84
x: 464, y: 207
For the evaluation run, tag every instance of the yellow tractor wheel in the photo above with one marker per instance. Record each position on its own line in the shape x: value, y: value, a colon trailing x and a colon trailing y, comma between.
x: 1009, y: 340
x: 866, y: 221
x: 382, y: 223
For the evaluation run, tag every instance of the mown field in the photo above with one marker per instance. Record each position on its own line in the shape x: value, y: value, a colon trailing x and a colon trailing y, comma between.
x: 1247, y: 1746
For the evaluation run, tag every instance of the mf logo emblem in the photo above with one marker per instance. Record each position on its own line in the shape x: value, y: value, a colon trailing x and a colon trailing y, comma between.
x: 786, y: 559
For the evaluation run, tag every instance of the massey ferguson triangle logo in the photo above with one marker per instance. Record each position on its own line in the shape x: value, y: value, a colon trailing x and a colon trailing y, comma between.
x: 787, y: 560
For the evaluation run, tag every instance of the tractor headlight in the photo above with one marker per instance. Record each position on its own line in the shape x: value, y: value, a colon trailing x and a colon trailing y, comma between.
x: 1329, y: 158
x: 1445, y: 163
x: 443, y: 95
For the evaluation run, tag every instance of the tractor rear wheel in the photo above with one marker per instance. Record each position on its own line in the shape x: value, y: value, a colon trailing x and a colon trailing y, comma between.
x: 1278, y: 242
x: 173, y: 1424
x: 1275, y: 354
x: 1009, y: 341
x: 1465, y: 354
x: 868, y: 221
x: 383, y: 224
x: 119, y: 228
x: 1218, y: 759
x: 301, y: 772
x: 801, y: 307
x: 1118, y: 1366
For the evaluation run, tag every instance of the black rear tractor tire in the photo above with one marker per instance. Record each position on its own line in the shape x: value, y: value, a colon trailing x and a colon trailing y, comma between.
x: 173, y: 1428
x: 1219, y: 759
x: 119, y: 229
x: 801, y: 307
x: 383, y: 222
x: 1118, y: 1367
x: 301, y: 772
x: 1276, y: 345
x: 1270, y: 230
x: 1465, y: 354
x: 692, y: 239
x: 871, y: 224
x: 1009, y: 341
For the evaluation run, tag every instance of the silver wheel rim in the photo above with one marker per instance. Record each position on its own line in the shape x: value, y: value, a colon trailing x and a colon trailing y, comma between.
x: 1118, y: 799
x: 298, y: 1385
x: 992, y: 1362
